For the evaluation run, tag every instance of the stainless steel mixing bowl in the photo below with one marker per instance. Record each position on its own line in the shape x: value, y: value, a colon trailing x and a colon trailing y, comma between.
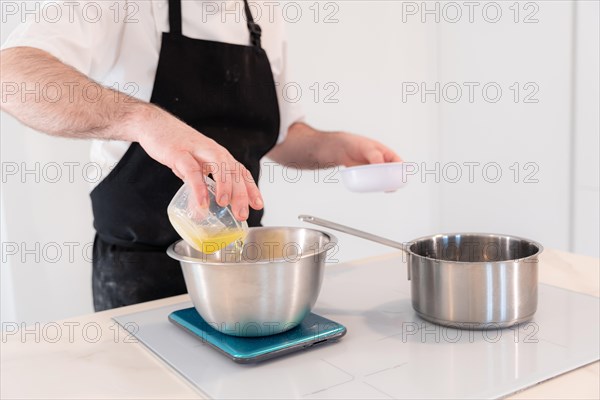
x: 269, y: 290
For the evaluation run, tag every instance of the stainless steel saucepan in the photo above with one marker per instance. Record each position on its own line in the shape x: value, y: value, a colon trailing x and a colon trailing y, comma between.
x: 466, y: 280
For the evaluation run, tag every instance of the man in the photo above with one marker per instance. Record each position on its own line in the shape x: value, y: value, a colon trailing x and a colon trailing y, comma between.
x: 193, y: 93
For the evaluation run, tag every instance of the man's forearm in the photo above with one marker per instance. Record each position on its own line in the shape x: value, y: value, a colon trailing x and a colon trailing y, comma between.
x: 49, y: 96
x: 306, y: 148
x: 108, y: 114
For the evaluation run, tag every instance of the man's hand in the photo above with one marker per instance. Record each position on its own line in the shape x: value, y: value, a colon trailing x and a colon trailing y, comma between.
x: 349, y: 150
x: 192, y: 155
x: 305, y: 147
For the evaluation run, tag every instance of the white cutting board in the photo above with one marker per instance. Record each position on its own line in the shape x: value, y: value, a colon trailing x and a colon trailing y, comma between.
x: 389, y: 352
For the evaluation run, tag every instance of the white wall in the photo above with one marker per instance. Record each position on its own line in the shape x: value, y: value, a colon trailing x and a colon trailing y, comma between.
x: 47, y: 226
x: 369, y: 54
x: 46, y: 223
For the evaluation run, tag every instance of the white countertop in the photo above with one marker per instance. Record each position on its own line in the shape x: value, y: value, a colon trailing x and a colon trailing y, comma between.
x: 91, y: 357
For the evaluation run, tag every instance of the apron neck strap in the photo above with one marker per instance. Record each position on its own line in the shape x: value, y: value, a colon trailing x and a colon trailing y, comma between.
x: 175, y: 21
x: 175, y: 17
x: 253, y: 27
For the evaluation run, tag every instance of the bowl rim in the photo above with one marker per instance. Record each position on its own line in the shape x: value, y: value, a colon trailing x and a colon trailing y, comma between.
x: 332, y: 243
x: 362, y: 167
x: 540, y: 248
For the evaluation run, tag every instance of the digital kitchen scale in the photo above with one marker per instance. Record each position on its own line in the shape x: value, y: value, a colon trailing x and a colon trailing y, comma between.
x: 313, y: 330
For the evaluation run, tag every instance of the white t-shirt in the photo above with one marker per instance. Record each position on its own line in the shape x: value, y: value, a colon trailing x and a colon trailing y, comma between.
x: 117, y: 43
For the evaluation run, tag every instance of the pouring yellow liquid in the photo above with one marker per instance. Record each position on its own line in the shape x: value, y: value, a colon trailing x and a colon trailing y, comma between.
x: 206, y: 243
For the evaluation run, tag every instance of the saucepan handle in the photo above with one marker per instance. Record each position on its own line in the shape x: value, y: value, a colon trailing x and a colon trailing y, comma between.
x: 355, y: 232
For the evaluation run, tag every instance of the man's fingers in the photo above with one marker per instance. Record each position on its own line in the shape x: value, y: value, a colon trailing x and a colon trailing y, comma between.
x: 239, y: 201
x: 218, y: 163
x: 188, y: 169
x: 391, y: 156
x: 374, y: 156
x: 256, y: 200
x: 234, y: 183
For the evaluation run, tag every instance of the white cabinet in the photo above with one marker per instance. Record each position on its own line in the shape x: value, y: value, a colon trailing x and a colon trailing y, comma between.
x: 516, y: 124
x: 586, y: 173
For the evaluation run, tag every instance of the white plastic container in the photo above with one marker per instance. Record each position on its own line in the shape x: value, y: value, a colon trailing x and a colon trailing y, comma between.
x: 387, y: 177
x: 206, y: 229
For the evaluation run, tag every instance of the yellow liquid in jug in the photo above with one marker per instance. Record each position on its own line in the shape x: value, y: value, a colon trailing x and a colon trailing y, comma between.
x: 207, y: 244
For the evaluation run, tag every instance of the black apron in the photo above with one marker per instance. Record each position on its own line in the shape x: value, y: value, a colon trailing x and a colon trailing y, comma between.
x: 226, y: 92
